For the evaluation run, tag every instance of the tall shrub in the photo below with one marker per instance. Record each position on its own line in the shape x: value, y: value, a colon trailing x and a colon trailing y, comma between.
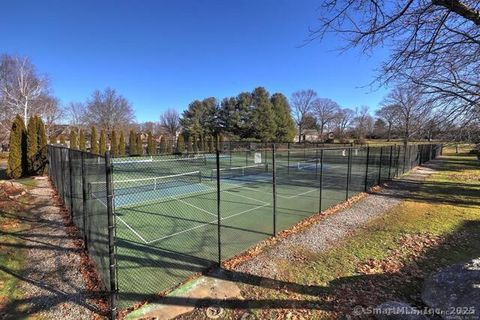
x: 102, y: 148
x: 114, y: 144
x: 139, y: 144
x: 73, y: 139
x: 94, y: 141
x: 132, y: 143
x: 42, y: 146
x: 121, y: 145
x: 32, y: 144
x: 18, y: 143
x: 181, y: 144
x: 81, y: 141
x: 150, y: 144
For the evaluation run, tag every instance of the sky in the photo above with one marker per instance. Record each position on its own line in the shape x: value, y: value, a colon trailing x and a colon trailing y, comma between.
x: 164, y: 54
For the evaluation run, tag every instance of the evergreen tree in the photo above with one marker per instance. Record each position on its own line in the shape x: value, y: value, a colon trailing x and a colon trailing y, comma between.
x: 150, y: 144
x: 189, y: 144
x: 73, y: 140
x: 163, y: 146
x: 121, y: 145
x: 263, y: 115
x: 62, y: 139
x: 81, y: 141
x: 211, y: 144
x: 132, y: 143
x: 283, y: 118
x: 17, y: 155
x: 103, y: 142
x: 181, y: 144
x: 139, y: 144
x: 194, y: 144
x: 168, y: 147
x: 32, y: 144
x: 221, y: 141
x: 114, y: 144
x: 42, y: 146
x: 94, y: 141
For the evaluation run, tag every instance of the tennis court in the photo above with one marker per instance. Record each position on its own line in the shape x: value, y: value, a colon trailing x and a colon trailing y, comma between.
x: 173, y: 216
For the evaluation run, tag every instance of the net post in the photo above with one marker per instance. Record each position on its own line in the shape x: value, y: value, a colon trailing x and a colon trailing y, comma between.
x: 390, y: 164
x: 320, y: 182
x: 366, y: 169
x: 349, y: 172
x: 380, y: 166
x: 111, y: 237
x: 219, y: 242
x: 274, y: 191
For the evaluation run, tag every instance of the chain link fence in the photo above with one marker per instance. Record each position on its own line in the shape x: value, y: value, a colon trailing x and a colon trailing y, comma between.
x: 152, y: 222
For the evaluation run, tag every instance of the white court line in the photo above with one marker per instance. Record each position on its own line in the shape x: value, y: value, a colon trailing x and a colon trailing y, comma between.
x: 131, y: 229
x: 193, y: 206
x: 300, y: 194
x: 206, y: 224
x: 240, y: 195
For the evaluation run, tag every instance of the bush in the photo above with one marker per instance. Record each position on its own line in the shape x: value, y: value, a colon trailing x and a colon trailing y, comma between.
x: 18, y: 149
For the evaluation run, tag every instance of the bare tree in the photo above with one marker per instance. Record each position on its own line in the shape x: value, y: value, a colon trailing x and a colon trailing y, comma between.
x: 363, y: 122
x: 389, y: 114
x: 170, y: 122
x: 75, y: 112
x: 412, y: 109
x: 302, y: 106
x: 343, y: 119
x: 325, y: 111
x: 435, y: 44
x: 108, y: 110
x: 21, y: 87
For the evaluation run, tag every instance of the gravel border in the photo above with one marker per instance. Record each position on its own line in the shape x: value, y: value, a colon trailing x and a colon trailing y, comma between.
x: 324, y: 234
x: 52, y: 282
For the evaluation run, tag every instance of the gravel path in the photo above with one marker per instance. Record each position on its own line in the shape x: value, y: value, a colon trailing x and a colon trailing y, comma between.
x: 325, y: 233
x: 52, y: 283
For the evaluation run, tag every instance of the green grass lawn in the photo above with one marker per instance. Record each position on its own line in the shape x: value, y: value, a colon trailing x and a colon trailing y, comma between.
x: 13, y: 220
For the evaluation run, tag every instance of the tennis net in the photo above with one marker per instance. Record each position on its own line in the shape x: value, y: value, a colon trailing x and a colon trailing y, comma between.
x: 127, y: 186
x: 237, y: 172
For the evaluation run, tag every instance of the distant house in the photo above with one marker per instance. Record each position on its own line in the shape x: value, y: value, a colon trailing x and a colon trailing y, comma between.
x: 312, y: 135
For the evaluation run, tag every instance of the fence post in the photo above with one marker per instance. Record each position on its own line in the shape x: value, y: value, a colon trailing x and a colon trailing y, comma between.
x: 390, y: 163
x: 71, y: 182
x: 380, y: 166
x: 111, y: 236
x: 366, y: 168
x: 398, y: 160
x: 349, y: 171
x: 274, y: 191
x: 320, y: 182
x: 219, y: 238
x: 84, y: 200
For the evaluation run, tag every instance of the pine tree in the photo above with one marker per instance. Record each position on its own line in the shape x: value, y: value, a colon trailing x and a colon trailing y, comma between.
x: 102, y: 148
x: 114, y: 144
x: 42, y: 146
x: 168, y: 147
x: 94, y: 141
x: 283, y: 118
x: 163, y: 146
x: 189, y: 144
x: 73, y: 140
x: 181, y: 144
x: 150, y: 144
x: 263, y: 116
x: 81, y: 141
x: 221, y: 141
x: 139, y: 144
x: 32, y: 144
x: 121, y: 145
x: 18, y: 141
x: 194, y: 144
x: 132, y: 143
x: 211, y: 144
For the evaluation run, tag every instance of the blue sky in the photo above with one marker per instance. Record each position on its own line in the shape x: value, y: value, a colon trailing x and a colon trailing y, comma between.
x: 162, y: 54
